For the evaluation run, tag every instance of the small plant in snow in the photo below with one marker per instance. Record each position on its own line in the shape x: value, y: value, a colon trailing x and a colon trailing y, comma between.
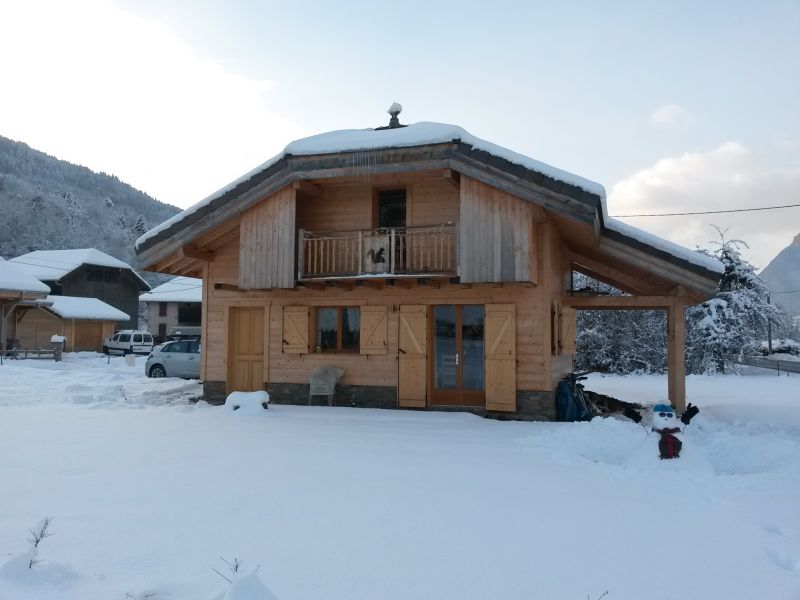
x: 234, y: 567
x: 38, y: 533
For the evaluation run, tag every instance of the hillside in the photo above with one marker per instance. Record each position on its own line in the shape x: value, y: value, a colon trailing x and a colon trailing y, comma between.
x: 51, y: 204
x: 782, y: 275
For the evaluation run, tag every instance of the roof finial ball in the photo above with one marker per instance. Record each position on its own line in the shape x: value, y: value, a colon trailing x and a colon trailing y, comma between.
x: 395, y: 109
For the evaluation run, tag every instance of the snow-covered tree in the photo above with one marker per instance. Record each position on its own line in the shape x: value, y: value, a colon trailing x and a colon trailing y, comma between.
x: 141, y: 226
x: 736, y: 320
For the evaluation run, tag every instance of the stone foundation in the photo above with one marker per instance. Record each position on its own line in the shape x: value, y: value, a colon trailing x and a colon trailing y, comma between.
x: 533, y: 406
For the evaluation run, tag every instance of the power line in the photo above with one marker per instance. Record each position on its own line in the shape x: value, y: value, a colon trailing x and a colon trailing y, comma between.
x: 707, y: 212
x: 789, y: 292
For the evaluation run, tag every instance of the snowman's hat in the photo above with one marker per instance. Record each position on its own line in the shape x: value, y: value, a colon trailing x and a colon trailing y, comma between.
x: 663, y: 408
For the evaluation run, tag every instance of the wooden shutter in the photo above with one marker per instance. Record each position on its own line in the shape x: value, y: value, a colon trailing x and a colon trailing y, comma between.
x: 567, y: 330
x: 295, y: 330
x: 412, y: 356
x: 501, y: 357
x: 373, y: 329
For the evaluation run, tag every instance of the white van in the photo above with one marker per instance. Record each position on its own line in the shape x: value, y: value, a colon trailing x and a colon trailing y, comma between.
x: 129, y: 341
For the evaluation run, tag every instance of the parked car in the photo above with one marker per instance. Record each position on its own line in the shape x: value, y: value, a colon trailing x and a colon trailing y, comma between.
x: 175, y: 359
x: 128, y: 341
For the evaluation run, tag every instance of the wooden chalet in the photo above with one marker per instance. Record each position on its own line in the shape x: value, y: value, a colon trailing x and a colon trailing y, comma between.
x: 16, y: 288
x: 433, y: 267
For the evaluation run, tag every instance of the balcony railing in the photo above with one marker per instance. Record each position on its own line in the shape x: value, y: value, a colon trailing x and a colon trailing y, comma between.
x: 376, y: 252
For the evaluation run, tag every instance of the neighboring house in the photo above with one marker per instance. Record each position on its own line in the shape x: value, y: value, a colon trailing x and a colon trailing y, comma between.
x: 85, y: 322
x: 88, y: 273
x: 176, y: 303
x: 433, y: 267
x: 16, y: 287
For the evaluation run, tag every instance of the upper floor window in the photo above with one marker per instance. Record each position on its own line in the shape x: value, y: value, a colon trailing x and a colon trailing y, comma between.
x: 338, y: 329
x: 391, y: 209
x: 162, y: 309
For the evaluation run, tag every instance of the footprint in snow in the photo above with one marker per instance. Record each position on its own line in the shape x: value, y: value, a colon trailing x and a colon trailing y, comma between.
x: 784, y: 560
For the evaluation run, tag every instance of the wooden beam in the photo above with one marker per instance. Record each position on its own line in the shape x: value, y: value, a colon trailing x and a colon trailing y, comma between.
x: 434, y: 283
x: 313, y: 285
x: 618, y: 302
x: 452, y: 177
x: 347, y: 286
x: 401, y: 283
x: 304, y: 187
x: 190, y: 252
x: 676, y: 356
x: 375, y: 284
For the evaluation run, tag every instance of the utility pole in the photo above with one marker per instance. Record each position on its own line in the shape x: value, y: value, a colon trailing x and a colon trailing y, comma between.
x: 769, y: 328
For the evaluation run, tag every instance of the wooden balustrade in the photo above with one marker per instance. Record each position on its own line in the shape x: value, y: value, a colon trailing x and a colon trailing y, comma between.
x: 377, y: 252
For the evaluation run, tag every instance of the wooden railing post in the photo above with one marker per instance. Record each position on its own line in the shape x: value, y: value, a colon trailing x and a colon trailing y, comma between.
x: 391, y: 251
x: 360, y: 252
x: 301, y: 247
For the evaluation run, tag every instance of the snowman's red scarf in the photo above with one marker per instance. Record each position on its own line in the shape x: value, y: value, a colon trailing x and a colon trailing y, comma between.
x: 669, y: 446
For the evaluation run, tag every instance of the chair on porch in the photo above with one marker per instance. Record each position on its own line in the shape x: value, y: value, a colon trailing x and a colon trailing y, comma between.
x: 323, y: 382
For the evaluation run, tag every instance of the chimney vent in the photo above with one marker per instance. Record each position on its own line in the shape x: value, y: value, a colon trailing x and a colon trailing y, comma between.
x: 395, y: 109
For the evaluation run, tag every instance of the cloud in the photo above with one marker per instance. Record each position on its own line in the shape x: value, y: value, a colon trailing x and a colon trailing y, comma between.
x: 672, y: 116
x: 727, y: 177
x: 94, y: 84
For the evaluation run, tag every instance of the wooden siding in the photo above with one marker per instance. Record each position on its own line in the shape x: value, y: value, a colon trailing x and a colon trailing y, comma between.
x: 532, y: 323
x: 117, y: 287
x: 267, y: 243
x: 496, y: 235
x: 33, y: 330
x: 501, y: 357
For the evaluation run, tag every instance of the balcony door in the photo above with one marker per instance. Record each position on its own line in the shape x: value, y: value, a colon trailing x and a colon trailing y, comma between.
x: 457, y: 340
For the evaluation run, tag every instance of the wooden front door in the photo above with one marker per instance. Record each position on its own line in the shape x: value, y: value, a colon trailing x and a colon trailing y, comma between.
x: 457, y: 355
x: 246, y: 342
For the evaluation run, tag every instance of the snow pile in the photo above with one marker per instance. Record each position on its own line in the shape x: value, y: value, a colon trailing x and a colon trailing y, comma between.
x: 249, y: 587
x: 247, y: 403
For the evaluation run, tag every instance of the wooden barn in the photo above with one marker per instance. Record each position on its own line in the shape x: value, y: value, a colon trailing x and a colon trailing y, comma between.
x: 85, y: 322
x: 431, y: 266
x: 88, y: 273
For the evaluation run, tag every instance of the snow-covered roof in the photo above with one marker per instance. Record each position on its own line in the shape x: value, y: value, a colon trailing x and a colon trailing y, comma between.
x: 13, y: 279
x: 425, y: 133
x: 180, y: 289
x: 352, y: 140
x: 75, y: 307
x: 52, y: 265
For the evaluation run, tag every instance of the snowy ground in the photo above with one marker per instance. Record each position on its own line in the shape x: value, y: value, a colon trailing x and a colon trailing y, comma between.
x: 147, y: 491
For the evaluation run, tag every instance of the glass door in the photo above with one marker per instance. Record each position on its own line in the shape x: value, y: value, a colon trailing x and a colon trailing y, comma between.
x: 457, y: 355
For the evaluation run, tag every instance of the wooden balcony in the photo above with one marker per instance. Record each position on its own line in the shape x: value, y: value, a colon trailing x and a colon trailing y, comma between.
x: 421, y: 251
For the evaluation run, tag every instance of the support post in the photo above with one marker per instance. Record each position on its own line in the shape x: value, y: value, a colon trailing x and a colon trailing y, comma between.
x: 301, y: 253
x: 676, y: 355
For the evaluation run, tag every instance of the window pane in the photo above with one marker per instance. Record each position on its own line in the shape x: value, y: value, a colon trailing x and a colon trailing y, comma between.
x: 445, y: 347
x: 125, y: 337
x: 351, y: 328
x: 327, y: 325
x: 472, y: 347
x: 137, y: 338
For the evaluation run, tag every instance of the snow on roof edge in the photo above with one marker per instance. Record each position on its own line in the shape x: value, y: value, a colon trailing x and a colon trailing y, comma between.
x: 13, y: 279
x: 79, y: 307
x: 179, y: 289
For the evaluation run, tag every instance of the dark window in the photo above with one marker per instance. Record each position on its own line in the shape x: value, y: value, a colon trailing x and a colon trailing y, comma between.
x: 391, y: 208
x: 137, y: 338
x: 162, y: 329
x: 338, y: 329
x: 124, y: 337
x: 189, y: 314
x: 111, y: 276
x: 148, y: 339
x: 193, y: 346
x: 177, y: 347
x: 162, y: 309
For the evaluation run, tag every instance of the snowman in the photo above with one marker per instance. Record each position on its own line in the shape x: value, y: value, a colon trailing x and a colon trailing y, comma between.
x: 665, y: 423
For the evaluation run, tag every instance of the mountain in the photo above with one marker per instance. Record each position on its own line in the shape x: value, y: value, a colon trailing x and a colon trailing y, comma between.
x: 51, y: 204
x: 782, y: 275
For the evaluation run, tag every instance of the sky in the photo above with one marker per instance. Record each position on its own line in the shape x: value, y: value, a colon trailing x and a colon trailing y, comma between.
x: 672, y: 106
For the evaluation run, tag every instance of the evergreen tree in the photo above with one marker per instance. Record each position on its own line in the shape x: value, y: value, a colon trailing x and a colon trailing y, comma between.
x: 735, y: 321
x: 141, y: 226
